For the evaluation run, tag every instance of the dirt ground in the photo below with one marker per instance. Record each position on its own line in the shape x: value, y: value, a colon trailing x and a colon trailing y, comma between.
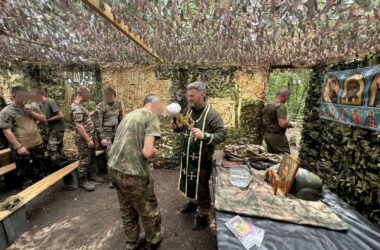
x: 79, y: 220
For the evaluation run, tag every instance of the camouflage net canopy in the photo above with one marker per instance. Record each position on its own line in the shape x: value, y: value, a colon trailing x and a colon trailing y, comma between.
x: 274, y: 32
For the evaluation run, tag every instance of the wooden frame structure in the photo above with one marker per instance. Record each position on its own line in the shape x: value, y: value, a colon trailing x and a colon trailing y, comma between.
x: 108, y: 14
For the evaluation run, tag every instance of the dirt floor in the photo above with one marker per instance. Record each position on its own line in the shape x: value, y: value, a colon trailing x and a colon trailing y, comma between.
x: 79, y: 220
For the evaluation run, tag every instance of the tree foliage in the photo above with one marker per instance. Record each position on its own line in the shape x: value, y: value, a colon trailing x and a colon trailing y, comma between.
x: 296, y: 81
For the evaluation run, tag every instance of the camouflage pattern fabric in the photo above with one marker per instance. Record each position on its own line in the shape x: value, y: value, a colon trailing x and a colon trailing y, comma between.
x: 80, y: 114
x: 31, y: 166
x: 55, y: 146
x: 52, y: 132
x: 3, y: 140
x: 126, y: 152
x: 23, y: 125
x: 250, y: 152
x: 137, y: 201
x: 86, y: 157
x: 258, y: 200
x: 108, y: 117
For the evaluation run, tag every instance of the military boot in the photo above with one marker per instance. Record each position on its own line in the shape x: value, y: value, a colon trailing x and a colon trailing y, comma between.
x: 86, y: 185
x: 189, y: 208
x: 200, y: 223
x: 96, y: 178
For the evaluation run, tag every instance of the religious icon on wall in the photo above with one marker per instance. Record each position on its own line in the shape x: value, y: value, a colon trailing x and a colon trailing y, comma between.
x: 374, y: 91
x: 332, y: 112
x: 352, y: 97
x: 370, y: 120
x: 353, y: 88
x: 342, y: 114
x: 356, y: 116
x: 331, y: 90
x: 324, y: 110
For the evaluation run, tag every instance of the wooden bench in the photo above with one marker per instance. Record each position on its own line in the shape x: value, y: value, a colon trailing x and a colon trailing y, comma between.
x: 6, y: 164
x: 13, y: 223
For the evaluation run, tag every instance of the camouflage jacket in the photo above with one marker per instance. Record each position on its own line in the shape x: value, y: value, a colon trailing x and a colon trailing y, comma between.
x: 126, y: 152
x: 108, y: 117
x: 80, y: 114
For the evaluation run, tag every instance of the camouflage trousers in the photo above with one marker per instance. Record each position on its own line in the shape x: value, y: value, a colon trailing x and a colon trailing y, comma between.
x: 86, y: 157
x: 137, y: 201
x: 31, y: 167
x: 277, y: 143
x: 54, y: 145
x: 109, y: 136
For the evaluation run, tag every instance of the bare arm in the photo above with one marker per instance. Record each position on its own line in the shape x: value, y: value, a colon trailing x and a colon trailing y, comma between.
x: 57, y: 117
x: 82, y: 132
x: 11, y: 138
x: 149, y: 151
x: 37, y: 116
x: 283, y: 123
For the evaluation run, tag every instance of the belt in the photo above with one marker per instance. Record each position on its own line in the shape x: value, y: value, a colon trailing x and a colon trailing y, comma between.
x: 276, y: 133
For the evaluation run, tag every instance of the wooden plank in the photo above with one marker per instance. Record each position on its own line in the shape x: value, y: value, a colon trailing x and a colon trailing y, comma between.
x: 7, y: 169
x: 37, y: 188
x: 108, y: 14
x: 31, y: 192
x: 5, y: 157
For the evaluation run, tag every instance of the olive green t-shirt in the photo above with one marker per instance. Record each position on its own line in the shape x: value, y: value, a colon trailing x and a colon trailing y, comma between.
x: 126, y: 152
x: 271, y: 113
x: 23, y: 125
x: 50, y: 108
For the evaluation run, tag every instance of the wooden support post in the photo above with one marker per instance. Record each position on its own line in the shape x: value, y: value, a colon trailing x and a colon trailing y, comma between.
x: 108, y: 14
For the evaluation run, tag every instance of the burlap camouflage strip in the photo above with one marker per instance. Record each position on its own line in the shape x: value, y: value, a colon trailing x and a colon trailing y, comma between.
x: 258, y: 200
x: 250, y: 152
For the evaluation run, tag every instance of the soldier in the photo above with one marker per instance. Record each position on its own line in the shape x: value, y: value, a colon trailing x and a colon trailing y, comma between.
x: 84, y: 140
x: 53, y: 129
x: 108, y: 116
x: 3, y: 140
x: 19, y: 123
x: 129, y: 171
x: 276, y: 123
x: 205, y: 129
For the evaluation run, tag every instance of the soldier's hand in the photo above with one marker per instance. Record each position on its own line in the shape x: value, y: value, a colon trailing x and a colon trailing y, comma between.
x: 22, y: 151
x: 156, y: 153
x: 28, y: 108
x: 90, y: 143
x: 197, y: 133
x: 91, y: 113
x: 103, y: 142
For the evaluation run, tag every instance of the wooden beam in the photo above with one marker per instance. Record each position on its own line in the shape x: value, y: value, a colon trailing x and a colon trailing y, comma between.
x: 7, y: 169
x: 37, y: 188
x: 108, y: 14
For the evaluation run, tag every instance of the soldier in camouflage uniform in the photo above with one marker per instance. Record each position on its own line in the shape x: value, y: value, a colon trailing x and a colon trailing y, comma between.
x: 84, y: 140
x: 276, y: 123
x: 19, y: 124
x: 130, y: 173
x: 108, y: 116
x: 3, y: 140
x: 53, y: 129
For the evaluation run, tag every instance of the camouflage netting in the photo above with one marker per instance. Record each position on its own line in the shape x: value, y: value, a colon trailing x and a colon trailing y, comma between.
x: 279, y: 32
x: 347, y: 158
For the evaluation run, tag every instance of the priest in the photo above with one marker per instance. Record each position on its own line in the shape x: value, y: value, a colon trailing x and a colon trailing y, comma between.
x: 204, y: 129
